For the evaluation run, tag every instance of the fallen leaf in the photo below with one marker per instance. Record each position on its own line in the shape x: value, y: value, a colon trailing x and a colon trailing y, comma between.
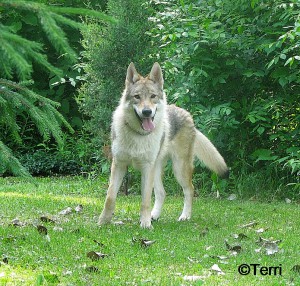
x: 296, y: 268
x: 232, y: 197
x: 262, y: 240
x: 79, y: 208
x: 233, y: 253
x: 42, y: 229
x: 240, y: 236
x: 17, y: 223
x: 193, y: 278
x: 67, y: 272
x: 119, y: 222
x: 193, y: 260
x: 5, y: 260
x: 92, y: 269
x: 216, y: 269
x: 250, y: 224
x: 221, y: 257
x: 271, y: 248
x: 261, y: 230
x: 98, y: 243
x: 146, y: 242
x: 235, y: 248
x: 46, y: 219
x: 288, y: 201
x: 66, y: 211
x: 93, y: 255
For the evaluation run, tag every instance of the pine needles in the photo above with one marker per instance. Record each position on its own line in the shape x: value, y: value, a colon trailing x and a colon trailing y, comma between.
x: 17, y: 53
x: 18, y: 56
x: 16, y: 99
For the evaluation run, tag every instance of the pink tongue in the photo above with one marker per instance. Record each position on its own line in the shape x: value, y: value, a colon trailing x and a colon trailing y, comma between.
x: 148, y: 124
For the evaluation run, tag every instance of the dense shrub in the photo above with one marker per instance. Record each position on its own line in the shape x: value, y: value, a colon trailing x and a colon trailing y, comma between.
x: 235, y: 66
x: 43, y: 163
x: 34, y: 49
x: 109, y: 50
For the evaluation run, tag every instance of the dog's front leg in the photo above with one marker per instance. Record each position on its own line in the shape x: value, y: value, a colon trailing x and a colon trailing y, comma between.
x: 147, y: 187
x: 118, y: 171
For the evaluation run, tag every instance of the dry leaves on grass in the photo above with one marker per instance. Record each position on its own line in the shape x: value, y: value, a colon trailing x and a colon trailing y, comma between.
x: 94, y: 255
x: 235, y: 249
x: 143, y: 242
x: 46, y: 219
x: 249, y: 224
x: 17, y: 223
x: 269, y: 246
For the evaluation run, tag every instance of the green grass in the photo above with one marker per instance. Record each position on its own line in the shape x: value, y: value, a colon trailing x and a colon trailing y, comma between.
x: 180, y: 248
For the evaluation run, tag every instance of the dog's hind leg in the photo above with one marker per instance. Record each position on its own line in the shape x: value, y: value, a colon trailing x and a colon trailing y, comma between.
x: 159, y: 192
x: 183, y: 170
x: 118, y: 171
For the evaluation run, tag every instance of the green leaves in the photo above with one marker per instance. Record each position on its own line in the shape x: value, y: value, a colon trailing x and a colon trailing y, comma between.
x: 21, y: 21
x: 18, y: 54
x: 16, y: 99
x: 9, y: 162
x: 243, y: 54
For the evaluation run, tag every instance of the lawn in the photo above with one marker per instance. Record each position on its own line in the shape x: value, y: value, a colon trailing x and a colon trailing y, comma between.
x: 42, y: 242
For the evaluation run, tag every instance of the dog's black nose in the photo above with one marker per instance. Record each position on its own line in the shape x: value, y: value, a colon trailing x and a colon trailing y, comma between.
x: 146, y: 112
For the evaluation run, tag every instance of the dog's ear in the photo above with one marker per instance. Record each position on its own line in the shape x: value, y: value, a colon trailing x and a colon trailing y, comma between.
x: 132, y: 75
x: 156, y: 75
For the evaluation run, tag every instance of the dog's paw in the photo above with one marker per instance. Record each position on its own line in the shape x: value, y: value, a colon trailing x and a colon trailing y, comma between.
x: 146, y: 224
x: 104, y: 220
x: 155, y: 215
x: 184, y: 217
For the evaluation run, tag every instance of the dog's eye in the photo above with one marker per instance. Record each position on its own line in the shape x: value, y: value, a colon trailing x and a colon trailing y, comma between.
x: 137, y: 96
x: 153, y: 95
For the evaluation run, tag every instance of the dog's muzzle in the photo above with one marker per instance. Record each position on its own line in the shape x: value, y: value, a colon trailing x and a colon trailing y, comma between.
x: 146, y: 119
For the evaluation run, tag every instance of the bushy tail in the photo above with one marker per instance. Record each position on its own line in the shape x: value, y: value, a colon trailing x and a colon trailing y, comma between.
x: 209, y: 155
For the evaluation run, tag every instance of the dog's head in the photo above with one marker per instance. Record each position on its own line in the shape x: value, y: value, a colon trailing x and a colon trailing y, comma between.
x: 143, y: 95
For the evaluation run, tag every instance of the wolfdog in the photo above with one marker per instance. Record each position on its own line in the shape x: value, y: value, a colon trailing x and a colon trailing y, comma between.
x: 146, y: 132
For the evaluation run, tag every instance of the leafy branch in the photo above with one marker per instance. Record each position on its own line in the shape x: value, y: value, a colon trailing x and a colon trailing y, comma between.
x: 17, y: 55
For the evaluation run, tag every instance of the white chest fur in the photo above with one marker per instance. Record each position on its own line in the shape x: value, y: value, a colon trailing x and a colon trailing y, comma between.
x: 133, y: 148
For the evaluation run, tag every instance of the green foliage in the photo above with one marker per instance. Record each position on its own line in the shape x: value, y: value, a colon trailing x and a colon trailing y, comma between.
x: 20, y: 55
x: 17, y: 100
x: 109, y: 50
x: 235, y: 66
x: 75, y: 156
x: 9, y: 163
x: 43, y: 163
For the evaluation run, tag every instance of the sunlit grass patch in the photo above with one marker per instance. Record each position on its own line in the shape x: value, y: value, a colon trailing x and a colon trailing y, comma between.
x: 179, y: 252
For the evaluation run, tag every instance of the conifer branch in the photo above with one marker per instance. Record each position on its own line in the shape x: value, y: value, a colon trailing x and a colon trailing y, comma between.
x: 11, y: 163
x: 16, y: 98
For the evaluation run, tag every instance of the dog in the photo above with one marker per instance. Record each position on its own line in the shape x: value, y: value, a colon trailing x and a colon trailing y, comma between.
x: 146, y: 132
